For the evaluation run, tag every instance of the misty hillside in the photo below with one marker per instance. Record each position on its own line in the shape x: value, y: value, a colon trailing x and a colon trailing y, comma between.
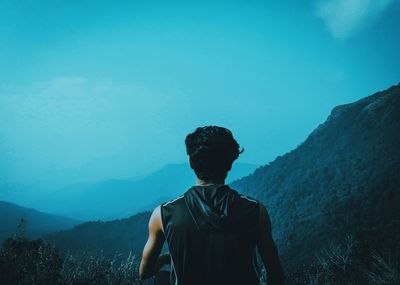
x: 343, y: 180
x: 37, y: 223
x: 117, y: 198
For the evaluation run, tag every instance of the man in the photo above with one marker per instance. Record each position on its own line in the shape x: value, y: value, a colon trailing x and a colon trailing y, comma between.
x: 212, y: 231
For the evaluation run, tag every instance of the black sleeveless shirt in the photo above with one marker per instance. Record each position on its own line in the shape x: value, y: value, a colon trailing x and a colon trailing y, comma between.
x: 211, y: 233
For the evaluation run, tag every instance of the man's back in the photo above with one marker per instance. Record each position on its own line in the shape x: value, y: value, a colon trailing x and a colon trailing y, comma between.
x: 211, y: 233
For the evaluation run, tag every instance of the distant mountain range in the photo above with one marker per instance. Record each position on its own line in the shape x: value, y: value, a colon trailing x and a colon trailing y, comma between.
x: 116, y: 198
x: 343, y: 180
x: 36, y: 223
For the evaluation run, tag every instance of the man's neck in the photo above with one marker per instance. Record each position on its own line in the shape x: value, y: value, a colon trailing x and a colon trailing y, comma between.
x: 200, y: 182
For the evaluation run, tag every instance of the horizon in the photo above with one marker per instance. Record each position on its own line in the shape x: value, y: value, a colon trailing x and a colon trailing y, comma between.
x: 113, y: 95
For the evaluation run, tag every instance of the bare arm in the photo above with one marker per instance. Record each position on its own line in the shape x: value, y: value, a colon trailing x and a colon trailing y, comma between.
x: 151, y: 260
x: 268, y: 250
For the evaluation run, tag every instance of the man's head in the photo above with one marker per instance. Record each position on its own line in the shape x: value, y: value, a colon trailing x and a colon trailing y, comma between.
x: 211, y: 150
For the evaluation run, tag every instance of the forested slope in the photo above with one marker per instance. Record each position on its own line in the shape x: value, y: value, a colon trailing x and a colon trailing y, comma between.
x: 343, y: 180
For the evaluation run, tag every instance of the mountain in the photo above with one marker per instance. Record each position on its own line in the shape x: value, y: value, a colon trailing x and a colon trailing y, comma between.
x: 37, y: 223
x: 342, y: 180
x: 116, y: 198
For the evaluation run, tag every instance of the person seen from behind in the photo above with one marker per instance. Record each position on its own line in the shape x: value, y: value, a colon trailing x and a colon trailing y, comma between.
x: 212, y: 231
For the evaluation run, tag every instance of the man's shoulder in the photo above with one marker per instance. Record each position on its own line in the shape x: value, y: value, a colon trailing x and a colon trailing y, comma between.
x: 249, y: 199
x: 245, y: 197
x: 177, y: 200
x: 172, y: 202
x: 172, y: 210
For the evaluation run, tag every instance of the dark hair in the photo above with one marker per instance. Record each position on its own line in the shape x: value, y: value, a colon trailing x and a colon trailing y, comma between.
x: 212, y: 150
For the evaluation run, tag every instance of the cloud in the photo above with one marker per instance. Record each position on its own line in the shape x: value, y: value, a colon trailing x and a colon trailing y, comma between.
x: 345, y: 17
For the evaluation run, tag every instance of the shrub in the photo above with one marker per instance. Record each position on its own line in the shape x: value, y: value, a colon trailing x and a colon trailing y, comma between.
x: 29, y: 262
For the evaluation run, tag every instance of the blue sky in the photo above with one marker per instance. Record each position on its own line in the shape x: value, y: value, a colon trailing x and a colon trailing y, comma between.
x: 97, y: 89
